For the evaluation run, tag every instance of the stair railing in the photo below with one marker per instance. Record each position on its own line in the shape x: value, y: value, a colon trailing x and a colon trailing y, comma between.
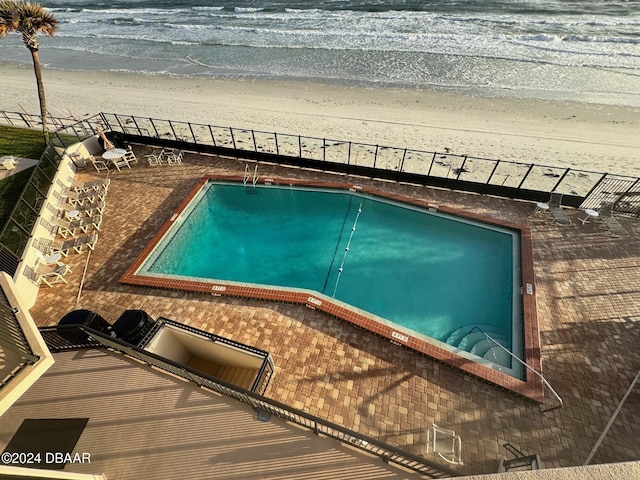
x: 544, y: 380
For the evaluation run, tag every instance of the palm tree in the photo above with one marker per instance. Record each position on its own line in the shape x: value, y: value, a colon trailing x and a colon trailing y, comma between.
x: 29, y: 19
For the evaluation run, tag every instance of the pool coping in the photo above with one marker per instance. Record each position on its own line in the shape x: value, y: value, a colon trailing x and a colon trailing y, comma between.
x: 531, y: 388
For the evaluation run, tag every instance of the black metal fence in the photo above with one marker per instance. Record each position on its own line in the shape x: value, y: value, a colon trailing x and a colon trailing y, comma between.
x: 526, y: 181
x: 15, y: 351
x: 266, y: 370
x: 505, y: 178
x: 72, y: 337
x: 17, y: 231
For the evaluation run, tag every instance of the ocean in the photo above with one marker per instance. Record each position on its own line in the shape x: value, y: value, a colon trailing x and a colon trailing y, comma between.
x: 587, y: 51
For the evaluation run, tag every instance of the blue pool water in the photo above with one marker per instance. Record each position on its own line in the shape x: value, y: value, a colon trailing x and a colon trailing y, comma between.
x: 421, y: 270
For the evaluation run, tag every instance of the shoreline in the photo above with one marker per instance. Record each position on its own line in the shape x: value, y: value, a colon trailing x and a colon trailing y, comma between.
x: 585, y: 136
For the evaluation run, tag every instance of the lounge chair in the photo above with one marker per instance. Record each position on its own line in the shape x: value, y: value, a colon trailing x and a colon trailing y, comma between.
x: 156, y: 157
x: 68, y: 228
x: 173, y: 156
x: 92, y: 208
x: 445, y: 443
x: 555, y: 208
x: 78, y: 198
x: 99, y: 165
x: 51, y: 274
x: 98, y: 186
x: 606, y: 215
x: 88, y: 241
x: 130, y: 157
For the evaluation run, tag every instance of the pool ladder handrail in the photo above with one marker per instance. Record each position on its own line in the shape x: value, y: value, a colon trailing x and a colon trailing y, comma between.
x: 533, y: 370
x: 247, y: 175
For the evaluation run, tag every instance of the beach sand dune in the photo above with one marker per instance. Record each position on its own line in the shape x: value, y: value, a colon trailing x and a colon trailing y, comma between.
x: 593, y: 137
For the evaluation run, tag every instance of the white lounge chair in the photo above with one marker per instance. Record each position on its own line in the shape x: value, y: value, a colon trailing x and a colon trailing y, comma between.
x: 88, y: 241
x: 50, y: 274
x: 97, y: 186
x: 8, y: 162
x: 445, y: 443
x: 130, y: 157
x: 99, y: 165
x: 156, y: 157
x: 174, y: 157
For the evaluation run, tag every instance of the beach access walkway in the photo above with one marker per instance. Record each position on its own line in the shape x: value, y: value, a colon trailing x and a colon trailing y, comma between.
x: 588, y: 303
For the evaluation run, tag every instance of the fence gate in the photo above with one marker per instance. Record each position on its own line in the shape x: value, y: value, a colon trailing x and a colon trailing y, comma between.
x: 622, y: 192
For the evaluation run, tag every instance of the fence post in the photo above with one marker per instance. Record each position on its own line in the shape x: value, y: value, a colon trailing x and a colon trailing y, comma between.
x: 137, y: 126
x: 375, y: 157
x: 525, y: 176
x: 275, y: 138
x: 175, y: 137
x: 213, y: 137
x: 154, y: 127
x: 324, y: 149
x: 562, y: 177
x: 495, y: 167
x: 233, y: 140
x: 299, y: 146
x: 401, y: 163
x: 600, y: 180
x: 433, y: 159
x: 461, y: 167
x: 349, y: 155
x: 253, y: 134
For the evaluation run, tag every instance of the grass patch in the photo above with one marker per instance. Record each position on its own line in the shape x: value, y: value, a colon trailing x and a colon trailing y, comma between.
x: 19, y: 142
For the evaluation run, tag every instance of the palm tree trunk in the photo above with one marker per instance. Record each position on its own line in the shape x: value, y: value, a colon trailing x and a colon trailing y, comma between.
x: 43, y: 103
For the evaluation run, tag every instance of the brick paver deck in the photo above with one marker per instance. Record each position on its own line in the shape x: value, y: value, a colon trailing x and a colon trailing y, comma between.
x: 588, y: 299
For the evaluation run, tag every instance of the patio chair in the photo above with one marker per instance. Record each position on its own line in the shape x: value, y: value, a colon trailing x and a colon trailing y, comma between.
x: 555, y: 208
x: 97, y: 186
x: 120, y: 163
x: 606, y: 215
x: 99, y: 165
x: 78, y: 198
x: 156, y: 157
x: 445, y: 443
x: 67, y: 228
x: 174, y: 157
x: 88, y: 241
x: 63, y: 247
x: 130, y: 156
x: 50, y: 274
x: 92, y: 208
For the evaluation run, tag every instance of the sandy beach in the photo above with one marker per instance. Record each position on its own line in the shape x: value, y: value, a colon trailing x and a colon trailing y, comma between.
x: 592, y: 137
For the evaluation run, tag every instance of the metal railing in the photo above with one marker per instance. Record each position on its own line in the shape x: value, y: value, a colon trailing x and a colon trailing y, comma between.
x: 511, y: 179
x: 34, y: 121
x: 15, y: 350
x: 265, y: 371
x: 73, y: 337
x: 506, y: 178
x: 16, y: 232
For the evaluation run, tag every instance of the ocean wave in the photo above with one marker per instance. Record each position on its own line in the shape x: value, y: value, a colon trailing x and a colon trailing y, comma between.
x: 248, y: 9
x: 207, y: 9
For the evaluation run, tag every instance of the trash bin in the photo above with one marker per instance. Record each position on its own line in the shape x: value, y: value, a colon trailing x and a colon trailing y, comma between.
x: 133, y: 325
x: 88, y: 319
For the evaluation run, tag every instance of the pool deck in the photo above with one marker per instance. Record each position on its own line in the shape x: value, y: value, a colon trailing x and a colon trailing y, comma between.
x: 588, y: 309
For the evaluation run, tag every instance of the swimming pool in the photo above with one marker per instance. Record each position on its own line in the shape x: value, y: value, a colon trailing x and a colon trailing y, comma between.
x: 427, y: 275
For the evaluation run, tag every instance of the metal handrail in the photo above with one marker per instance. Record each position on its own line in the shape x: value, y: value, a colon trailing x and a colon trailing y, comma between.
x: 530, y: 368
x: 68, y: 337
